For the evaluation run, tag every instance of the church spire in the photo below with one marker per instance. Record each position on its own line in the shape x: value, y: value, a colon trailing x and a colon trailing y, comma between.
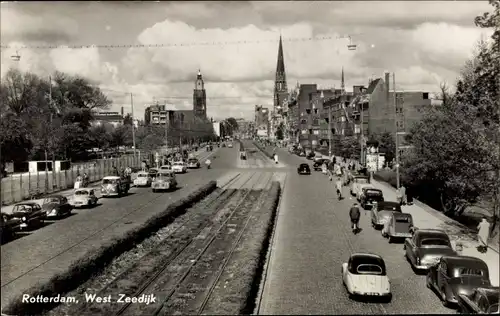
x: 342, y: 83
x: 280, y: 66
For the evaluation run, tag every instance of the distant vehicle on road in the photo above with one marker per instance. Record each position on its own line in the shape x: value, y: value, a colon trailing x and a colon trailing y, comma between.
x: 152, y: 172
x: 193, y: 163
x: 304, y: 169
x: 382, y: 212
x: 369, y: 196
x: 310, y: 155
x: 9, y: 226
x: 143, y: 179
x: 481, y: 301
x: 230, y: 145
x: 455, y: 275
x: 114, y: 186
x: 165, y: 180
x: 84, y: 197
x: 166, y: 167
x: 30, y: 213
x: 365, y: 275
x: 426, y: 248
x: 399, y: 226
x: 179, y: 167
x: 56, y: 206
x: 318, y: 163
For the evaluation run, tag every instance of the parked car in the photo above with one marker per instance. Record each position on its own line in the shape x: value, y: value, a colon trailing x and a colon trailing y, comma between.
x: 426, y: 247
x: 318, y: 163
x: 369, y: 196
x: 114, y: 186
x: 365, y: 275
x: 165, y: 180
x: 399, y: 225
x: 179, y: 167
x: 152, y: 172
x: 134, y: 172
x: 193, y: 163
x: 455, y: 275
x: 310, y: 155
x: 481, y: 301
x: 167, y: 167
x: 30, y: 214
x: 143, y: 179
x: 56, y: 206
x: 84, y: 197
x: 9, y: 226
x: 382, y: 212
x: 303, y: 169
x: 356, y: 182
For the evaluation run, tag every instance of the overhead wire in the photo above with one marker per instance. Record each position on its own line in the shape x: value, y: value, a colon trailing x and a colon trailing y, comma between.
x: 170, y: 45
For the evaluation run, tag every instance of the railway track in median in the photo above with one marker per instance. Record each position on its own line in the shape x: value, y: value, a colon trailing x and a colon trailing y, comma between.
x: 183, y: 269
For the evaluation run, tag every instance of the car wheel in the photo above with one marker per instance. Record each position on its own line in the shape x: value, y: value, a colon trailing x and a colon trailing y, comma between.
x: 390, y: 239
x: 444, y: 300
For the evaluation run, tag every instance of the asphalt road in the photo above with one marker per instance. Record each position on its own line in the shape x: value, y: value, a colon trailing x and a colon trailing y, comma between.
x: 46, y: 251
x: 313, y: 239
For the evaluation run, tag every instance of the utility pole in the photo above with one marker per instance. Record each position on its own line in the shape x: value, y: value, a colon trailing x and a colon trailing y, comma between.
x: 396, y: 129
x: 46, y: 141
x: 362, y: 132
x: 133, y: 125
x: 166, y: 130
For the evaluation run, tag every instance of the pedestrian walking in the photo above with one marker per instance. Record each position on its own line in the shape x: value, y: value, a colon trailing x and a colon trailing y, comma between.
x: 354, y: 215
x: 276, y: 158
x: 331, y: 166
x: 324, y: 168
x: 483, y: 234
x: 401, y: 195
x: 338, y: 185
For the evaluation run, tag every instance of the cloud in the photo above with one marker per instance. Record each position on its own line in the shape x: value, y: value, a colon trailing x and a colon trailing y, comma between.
x: 424, y: 43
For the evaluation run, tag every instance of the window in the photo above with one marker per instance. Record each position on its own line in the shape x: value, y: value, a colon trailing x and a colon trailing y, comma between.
x: 469, y: 271
x: 315, y: 111
x: 315, y: 122
x: 303, y: 121
x: 316, y: 132
x: 434, y: 242
x: 308, y: 111
x: 304, y: 132
x: 425, y: 95
x: 342, y: 119
x: 369, y: 269
x: 310, y: 131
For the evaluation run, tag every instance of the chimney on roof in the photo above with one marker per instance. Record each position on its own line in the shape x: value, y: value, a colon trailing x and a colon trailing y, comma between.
x: 387, y: 81
x: 122, y: 111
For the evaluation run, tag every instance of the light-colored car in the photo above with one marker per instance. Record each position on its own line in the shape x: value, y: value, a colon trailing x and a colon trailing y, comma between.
x: 179, y: 167
x: 114, y: 186
x: 365, y: 275
x: 193, y: 163
x: 356, y: 182
x: 361, y: 187
x: 165, y: 168
x: 382, y: 212
x: 165, y: 180
x: 84, y: 197
x: 143, y: 179
x: 230, y: 145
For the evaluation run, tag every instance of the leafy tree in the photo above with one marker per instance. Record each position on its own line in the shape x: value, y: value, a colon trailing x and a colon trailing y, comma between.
x: 128, y: 120
x: 386, y: 144
x: 349, y: 147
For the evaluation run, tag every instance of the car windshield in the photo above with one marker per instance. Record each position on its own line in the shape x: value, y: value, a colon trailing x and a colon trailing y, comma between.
x: 390, y: 208
x: 22, y: 208
x: 373, y: 192
x: 178, y: 163
x: 82, y: 192
x: 142, y: 175
x: 165, y: 175
x: 470, y: 271
x: 434, y: 242
x: 403, y: 219
x: 108, y: 181
x: 369, y: 269
x: 193, y: 161
x: 361, y: 180
x: 51, y: 200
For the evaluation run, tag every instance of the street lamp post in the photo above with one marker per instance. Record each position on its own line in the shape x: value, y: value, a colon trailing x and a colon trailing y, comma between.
x: 396, y: 129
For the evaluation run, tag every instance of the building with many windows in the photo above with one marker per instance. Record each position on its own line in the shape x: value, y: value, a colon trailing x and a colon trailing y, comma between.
x: 262, y: 122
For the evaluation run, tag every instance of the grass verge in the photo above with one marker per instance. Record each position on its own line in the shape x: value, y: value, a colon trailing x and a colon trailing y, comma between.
x: 95, y: 261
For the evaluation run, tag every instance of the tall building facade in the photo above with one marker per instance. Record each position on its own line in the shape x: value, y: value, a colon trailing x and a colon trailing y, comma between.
x: 199, y: 97
x: 280, y: 104
x: 261, y: 121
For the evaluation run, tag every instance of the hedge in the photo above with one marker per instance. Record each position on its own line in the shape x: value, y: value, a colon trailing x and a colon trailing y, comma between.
x: 96, y: 260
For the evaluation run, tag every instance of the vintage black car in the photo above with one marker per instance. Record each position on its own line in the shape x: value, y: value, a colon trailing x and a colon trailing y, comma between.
x: 30, y: 214
x: 304, y: 169
x: 369, y: 196
x: 426, y: 248
x: 311, y: 155
x: 56, y: 206
x: 456, y: 275
x: 481, y: 301
x: 9, y: 226
x: 318, y: 163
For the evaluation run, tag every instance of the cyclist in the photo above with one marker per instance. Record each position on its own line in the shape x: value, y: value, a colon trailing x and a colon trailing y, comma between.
x: 208, y: 162
x: 354, y: 214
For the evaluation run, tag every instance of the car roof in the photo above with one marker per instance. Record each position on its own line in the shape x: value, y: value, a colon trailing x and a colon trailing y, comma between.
x: 304, y: 164
x: 111, y: 177
x: 389, y: 204
x: 366, y: 255
x: 405, y: 215
x: 428, y: 231
x: 465, y: 261
x: 27, y: 203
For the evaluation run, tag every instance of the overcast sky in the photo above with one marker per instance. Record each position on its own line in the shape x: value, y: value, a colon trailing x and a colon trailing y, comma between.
x: 424, y: 43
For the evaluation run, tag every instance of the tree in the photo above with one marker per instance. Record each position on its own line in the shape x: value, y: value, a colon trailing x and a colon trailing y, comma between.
x: 128, y: 120
x: 386, y: 144
x: 349, y: 147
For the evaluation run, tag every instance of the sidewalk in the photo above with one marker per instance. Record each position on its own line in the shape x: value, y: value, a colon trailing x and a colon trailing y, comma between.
x: 426, y: 217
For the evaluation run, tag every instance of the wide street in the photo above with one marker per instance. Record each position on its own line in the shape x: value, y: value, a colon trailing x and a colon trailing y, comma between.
x: 312, y: 240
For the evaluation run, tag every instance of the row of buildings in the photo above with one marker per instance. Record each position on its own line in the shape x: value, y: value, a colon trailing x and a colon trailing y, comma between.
x: 313, y: 117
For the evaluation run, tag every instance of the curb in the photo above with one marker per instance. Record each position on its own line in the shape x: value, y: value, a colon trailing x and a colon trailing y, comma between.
x: 437, y: 214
